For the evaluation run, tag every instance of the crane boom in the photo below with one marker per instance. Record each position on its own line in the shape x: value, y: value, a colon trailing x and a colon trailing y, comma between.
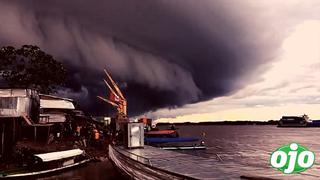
x: 108, y: 101
x: 114, y: 85
x: 112, y: 90
x: 121, y: 102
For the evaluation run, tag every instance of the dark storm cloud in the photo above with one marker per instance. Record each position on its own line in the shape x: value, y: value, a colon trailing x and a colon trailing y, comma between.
x: 168, y: 53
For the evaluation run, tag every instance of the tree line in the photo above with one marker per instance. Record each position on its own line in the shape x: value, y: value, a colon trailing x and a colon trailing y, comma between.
x: 30, y: 67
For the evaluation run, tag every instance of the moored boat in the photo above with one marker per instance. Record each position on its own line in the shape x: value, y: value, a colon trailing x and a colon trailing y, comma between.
x: 47, y: 163
x: 169, y: 139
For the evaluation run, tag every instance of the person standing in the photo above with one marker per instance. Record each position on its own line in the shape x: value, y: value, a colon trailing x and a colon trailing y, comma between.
x: 84, y: 135
x: 96, y: 137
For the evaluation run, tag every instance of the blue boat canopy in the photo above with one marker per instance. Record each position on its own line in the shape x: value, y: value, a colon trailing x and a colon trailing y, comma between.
x: 167, y: 140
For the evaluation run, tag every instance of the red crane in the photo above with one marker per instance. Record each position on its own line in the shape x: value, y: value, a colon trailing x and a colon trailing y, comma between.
x: 116, y: 97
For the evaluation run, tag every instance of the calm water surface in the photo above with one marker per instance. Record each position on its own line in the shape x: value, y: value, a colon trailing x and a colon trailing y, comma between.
x: 244, y: 147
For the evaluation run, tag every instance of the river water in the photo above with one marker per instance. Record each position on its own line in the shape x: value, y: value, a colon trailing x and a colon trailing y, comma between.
x: 243, y: 146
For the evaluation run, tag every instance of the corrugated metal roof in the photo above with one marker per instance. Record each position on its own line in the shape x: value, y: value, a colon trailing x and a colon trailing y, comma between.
x: 50, y: 97
x: 16, y: 92
x: 59, y: 155
x: 56, y: 104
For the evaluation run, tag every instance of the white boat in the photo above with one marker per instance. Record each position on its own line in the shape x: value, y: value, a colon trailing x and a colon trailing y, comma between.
x: 47, y: 163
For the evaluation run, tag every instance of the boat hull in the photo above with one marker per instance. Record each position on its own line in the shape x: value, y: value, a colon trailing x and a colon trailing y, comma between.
x: 44, y: 172
x: 137, y: 167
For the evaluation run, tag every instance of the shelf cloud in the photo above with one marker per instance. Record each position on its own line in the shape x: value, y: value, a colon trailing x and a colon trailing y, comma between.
x: 164, y: 54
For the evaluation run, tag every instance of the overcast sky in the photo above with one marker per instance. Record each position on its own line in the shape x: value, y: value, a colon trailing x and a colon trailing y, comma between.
x: 194, y: 60
x: 289, y: 87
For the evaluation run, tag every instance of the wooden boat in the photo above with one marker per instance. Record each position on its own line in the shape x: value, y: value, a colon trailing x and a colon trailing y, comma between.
x: 44, y: 164
x: 162, y: 133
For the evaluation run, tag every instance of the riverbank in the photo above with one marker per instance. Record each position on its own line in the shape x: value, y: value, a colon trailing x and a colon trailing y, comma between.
x: 248, y: 122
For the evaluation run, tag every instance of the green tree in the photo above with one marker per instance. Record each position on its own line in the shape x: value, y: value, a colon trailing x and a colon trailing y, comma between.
x: 30, y: 67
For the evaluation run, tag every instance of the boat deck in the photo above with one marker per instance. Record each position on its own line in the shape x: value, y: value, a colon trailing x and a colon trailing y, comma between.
x: 187, y: 165
x: 195, y: 167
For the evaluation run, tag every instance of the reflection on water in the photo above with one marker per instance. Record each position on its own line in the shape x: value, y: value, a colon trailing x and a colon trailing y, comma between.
x: 246, y: 147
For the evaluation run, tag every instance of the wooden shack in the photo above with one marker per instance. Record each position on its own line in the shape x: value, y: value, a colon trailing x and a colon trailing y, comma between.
x: 17, y: 107
x: 55, y: 109
x: 18, y: 102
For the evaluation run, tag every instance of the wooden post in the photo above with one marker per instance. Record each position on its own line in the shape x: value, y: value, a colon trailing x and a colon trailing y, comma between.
x: 14, y: 130
x: 48, y: 133
x: 2, y: 138
x: 35, y: 133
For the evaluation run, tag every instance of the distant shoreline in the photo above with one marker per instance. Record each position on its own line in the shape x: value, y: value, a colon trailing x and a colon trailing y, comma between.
x: 270, y: 122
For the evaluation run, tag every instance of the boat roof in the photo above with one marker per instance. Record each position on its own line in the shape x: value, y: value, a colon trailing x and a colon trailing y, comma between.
x: 302, y: 116
x: 52, y: 97
x: 56, y: 104
x: 52, y: 156
x: 161, y: 132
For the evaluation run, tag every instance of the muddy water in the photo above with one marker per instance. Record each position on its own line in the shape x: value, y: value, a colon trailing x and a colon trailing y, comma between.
x: 245, y: 146
x: 92, y: 171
